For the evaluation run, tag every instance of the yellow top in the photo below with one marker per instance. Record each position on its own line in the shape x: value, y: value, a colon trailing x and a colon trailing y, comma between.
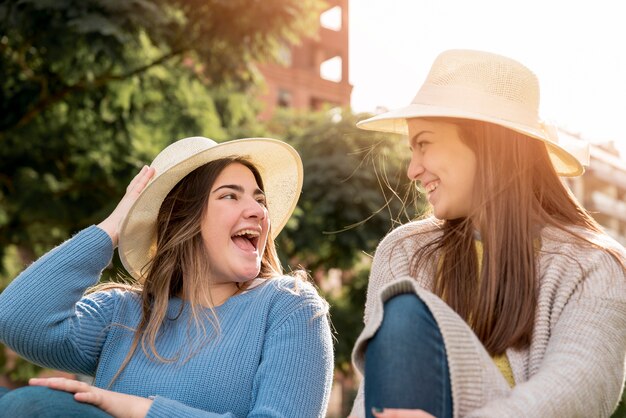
x: 502, y: 362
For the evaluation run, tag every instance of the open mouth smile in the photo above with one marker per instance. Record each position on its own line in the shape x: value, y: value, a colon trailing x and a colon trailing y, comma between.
x: 246, y: 239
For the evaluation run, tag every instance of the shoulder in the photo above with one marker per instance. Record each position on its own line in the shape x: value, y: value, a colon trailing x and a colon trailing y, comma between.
x: 597, y: 259
x: 409, y: 237
x: 112, y: 298
x: 288, y: 294
x: 582, y: 243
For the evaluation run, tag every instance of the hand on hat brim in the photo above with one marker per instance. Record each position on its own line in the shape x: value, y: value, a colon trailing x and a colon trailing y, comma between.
x: 111, y: 225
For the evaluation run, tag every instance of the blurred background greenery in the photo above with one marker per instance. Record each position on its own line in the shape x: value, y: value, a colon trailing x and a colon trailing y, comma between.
x: 93, y: 89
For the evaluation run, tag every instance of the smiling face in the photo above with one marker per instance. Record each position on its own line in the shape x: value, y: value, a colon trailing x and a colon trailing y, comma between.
x: 444, y: 165
x: 235, y: 226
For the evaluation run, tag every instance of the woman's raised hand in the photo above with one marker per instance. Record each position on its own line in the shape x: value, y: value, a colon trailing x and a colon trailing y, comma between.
x: 111, y: 225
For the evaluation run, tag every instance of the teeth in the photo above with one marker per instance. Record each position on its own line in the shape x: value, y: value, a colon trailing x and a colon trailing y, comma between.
x: 430, y: 187
x: 247, y: 232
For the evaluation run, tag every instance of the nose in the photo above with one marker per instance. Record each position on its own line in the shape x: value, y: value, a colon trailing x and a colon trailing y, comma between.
x: 415, y: 169
x: 255, y: 209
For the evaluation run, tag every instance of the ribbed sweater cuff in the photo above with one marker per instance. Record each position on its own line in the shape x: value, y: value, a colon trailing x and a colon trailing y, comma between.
x: 167, y: 408
x: 162, y: 408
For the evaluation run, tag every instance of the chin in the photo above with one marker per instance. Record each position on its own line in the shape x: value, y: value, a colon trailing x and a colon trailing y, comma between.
x: 248, y: 275
x: 441, y: 216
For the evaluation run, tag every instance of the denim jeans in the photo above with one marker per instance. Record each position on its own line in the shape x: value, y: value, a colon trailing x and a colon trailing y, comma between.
x: 42, y: 402
x: 405, y: 361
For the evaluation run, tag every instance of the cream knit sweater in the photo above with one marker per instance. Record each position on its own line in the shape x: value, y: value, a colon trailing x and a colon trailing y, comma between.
x: 574, y: 366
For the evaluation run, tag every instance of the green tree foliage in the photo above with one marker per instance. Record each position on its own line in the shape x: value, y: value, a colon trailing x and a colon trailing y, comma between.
x: 93, y: 89
x: 52, y: 49
x: 355, y: 191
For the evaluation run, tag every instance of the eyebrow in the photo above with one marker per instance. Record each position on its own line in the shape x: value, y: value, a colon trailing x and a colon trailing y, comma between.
x: 417, y: 135
x: 239, y: 189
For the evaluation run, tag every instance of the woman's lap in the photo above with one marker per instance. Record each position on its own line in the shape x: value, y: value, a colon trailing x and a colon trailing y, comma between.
x: 42, y: 402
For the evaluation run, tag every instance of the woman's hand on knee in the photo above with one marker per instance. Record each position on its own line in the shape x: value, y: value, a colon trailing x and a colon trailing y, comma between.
x: 400, y: 413
x: 117, y: 404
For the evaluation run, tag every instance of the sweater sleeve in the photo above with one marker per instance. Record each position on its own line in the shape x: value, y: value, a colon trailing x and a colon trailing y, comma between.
x: 43, y: 315
x: 583, y: 369
x: 294, y: 376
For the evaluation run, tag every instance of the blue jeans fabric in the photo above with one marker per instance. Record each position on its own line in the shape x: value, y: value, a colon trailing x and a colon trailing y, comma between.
x: 405, y: 361
x: 42, y: 402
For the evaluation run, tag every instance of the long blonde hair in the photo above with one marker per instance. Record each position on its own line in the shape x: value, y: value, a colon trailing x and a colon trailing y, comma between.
x: 516, y: 192
x: 180, y: 267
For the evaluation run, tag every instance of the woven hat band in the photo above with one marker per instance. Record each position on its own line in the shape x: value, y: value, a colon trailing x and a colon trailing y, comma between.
x: 463, y: 98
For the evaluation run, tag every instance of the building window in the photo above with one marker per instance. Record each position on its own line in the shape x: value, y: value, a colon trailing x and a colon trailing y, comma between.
x: 331, y: 19
x: 331, y: 69
x: 284, y: 98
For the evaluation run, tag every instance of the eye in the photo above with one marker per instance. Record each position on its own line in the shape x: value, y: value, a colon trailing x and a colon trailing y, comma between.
x: 261, y: 201
x: 422, y: 144
x: 229, y: 196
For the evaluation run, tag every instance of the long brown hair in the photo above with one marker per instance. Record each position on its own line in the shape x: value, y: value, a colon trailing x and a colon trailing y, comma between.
x: 179, y: 266
x: 516, y: 193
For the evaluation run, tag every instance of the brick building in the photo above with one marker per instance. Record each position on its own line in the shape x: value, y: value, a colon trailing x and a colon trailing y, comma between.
x: 313, y: 74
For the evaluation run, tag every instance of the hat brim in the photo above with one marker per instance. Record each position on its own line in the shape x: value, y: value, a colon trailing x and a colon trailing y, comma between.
x: 565, y: 164
x: 280, y: 168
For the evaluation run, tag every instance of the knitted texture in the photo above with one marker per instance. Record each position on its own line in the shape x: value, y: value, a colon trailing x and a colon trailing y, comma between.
x: 574, y: 366
x: 272, y: 356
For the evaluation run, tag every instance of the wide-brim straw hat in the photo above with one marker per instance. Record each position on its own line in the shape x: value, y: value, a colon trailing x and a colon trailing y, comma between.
x: 278, y: 164
x: 487, y: 87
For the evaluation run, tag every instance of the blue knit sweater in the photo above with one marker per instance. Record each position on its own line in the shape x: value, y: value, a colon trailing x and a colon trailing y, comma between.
x: 271, y: 358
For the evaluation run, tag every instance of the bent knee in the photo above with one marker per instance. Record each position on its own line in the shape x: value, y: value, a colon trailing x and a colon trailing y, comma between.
x: 405, y: 312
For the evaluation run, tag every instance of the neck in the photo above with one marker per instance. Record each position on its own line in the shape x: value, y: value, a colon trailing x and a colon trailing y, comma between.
x: 219, y: 293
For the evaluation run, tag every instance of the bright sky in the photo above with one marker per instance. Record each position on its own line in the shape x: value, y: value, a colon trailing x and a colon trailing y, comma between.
x: 577, y: 48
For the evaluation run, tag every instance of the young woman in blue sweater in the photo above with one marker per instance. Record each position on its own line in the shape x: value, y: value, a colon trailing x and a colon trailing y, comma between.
x: 209, y: 328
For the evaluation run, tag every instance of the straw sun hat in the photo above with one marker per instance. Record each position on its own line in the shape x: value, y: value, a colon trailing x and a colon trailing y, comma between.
x: 278, y: 163
x: 487, y: 87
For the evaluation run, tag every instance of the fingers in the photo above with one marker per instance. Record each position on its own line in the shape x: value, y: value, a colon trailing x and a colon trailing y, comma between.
x: 142, y: 178
x: 145, y: 178
x: 132, y: 183
x: 82, y: 391
x: 93, y: 397
x: 61, y: 383
x: 114, y: 403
